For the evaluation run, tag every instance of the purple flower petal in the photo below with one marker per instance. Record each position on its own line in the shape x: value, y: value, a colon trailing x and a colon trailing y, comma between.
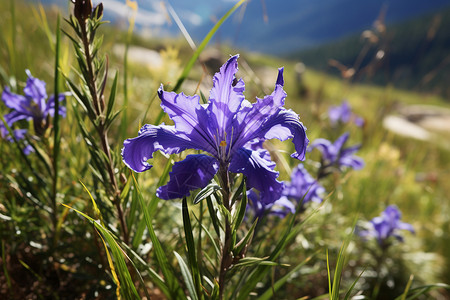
x: 15, y: 116
x: 303, y: 187
x: 35, y: 89
x: 354, y: 162
x: 259, y: 173
x: 194, y: 172
x: 16, y: 102
x: 189, y: 117
x: 267, y: 119
x: 358, y: 121
x: 336, y: 154
x: 226, y: 96
x: 325, y: 147
x: 280, y: 207
x: 340, y: 113
x: 33, y: 105
x: 285, y: 206
x: 50, y: 108
x: 223, y: 128
x: 138, y: 150
x: 387, y: 225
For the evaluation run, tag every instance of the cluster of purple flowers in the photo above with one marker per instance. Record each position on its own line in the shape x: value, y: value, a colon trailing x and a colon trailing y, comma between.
x: 387, y: 225
x: 302, y: 188
x: 231, y: 131
x: 33, y: 105
x: 344, y: 114
x: 224, y: 128
x: 336, y: 156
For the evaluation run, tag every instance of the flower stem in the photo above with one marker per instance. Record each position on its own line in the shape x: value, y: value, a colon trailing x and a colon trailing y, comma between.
x: 227, y: 257
x: 99, y: 106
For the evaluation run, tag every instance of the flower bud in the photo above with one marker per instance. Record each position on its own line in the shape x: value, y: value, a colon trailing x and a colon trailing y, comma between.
x: 82, y: 10
x: 98, y: 11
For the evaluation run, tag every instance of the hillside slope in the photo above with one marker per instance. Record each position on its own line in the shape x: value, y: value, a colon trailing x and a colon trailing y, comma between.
x: 413, y: 54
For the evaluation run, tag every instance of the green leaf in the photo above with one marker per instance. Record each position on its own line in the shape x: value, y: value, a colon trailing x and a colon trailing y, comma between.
x: 155, y: 278
x: 334, y: 288
x: 240, y: 214
x: 269, y: 293
x: 213, y: 215
x: 350, y: 289
x: 243, y: 243
x: 259, y: 272
x: 127, y: 285
x: 112, y: 98
x: 187, y: 276
x: 190, y: 245
x: 206, y: 192
x: 255, y: 261
x: 422, y: 290
x: 152, y: 205
x: 163, y: 262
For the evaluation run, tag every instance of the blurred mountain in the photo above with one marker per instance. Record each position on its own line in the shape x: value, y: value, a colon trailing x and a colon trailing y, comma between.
x: 414, y: 54
x: 268, y: 26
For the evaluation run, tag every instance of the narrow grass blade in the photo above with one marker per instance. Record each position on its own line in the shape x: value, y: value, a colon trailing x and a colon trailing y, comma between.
x: 269, y: 294
x: 56, y: 133
x: 112, y: 268
x: 127, y: 284
x: 94, y: 204
x: 155, y: 278
x: 255, y: 261
x: 151, y: 206
x: 163, y: 262
x: 422, y: 290
x: 408, y: 286
x: 190, y: 245
x: 350, y: 289
x: 187, y: 276
x: 203, y: 44
x: 5, y: 269
x: 260, y: 272
x: 238, y: 249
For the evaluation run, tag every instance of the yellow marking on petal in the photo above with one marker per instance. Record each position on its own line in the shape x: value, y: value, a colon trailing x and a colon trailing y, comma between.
x: 223, y: 144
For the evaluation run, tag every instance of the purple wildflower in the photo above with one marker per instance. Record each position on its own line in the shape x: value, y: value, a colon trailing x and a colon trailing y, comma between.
x: 303, y: 187
x: 335, y: 155
x: 19, y: 134
x: 344, y: 114
x: 32, y: 106
x: 387, y: 225
x: 222, y: 127
x: 280, y: 207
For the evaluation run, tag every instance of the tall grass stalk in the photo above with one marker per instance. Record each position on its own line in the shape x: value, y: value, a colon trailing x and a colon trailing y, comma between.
x: 56, y: 134
x: 94, y: 74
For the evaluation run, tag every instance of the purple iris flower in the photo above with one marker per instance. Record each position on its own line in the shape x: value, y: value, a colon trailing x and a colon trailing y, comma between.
x: 223, y: 128
x: 303, y: 187
x: 280, y: 207
x: 335, y: 155
x: 34, y: 105
x: 343, y: 113
x: 387, y: 225
x: 19, y: 134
